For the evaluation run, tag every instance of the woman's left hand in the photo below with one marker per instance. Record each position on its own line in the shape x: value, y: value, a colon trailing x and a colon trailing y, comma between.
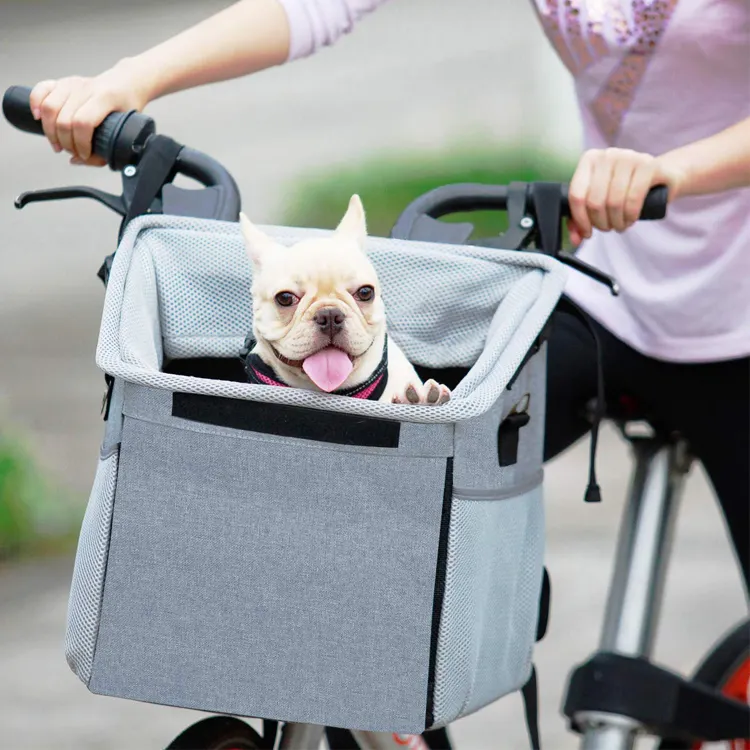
x: 609, y: 188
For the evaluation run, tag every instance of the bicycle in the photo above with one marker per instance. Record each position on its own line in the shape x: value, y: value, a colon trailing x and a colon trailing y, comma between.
x: 619, y: 693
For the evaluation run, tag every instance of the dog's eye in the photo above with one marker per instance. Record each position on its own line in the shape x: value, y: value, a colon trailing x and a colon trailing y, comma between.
x: 365, y: 294
x: 286, y: 299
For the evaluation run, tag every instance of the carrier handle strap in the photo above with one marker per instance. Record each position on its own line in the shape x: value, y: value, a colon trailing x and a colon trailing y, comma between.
x: 155, y: 169
x: 530, y: 695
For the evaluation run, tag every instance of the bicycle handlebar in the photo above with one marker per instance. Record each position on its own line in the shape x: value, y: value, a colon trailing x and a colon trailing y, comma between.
x: 451, y: 199
x: 122, y: 138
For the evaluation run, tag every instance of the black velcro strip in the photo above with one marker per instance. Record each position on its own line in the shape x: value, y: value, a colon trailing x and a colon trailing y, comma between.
x: 287, y: 421
x: 439, y: 595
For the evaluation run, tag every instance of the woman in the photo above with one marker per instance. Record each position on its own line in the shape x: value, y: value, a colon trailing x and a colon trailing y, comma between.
x: 664, y: 93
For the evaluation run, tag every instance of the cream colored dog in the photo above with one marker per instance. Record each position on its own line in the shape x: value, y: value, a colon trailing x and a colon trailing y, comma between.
x: 319, y: 320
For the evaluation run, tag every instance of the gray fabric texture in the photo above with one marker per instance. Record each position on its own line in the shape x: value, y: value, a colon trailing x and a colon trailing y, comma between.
x: 245, y: 582
x: 476, y: 466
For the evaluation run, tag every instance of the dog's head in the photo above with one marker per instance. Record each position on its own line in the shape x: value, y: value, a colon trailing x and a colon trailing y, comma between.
x: 316, y: 305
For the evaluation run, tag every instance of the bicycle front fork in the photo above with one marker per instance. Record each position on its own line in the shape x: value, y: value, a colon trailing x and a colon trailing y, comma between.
x: 636, y: 589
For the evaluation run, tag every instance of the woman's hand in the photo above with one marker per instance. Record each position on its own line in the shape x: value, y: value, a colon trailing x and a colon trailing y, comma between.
x: 71, y: 108
x: 609, y: 188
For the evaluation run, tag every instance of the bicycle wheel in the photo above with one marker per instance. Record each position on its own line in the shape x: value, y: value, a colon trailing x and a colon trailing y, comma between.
x: 218, y: 733
x: 727, y: 668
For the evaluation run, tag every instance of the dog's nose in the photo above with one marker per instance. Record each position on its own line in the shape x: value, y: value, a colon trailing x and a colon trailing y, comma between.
x: 329, y: 319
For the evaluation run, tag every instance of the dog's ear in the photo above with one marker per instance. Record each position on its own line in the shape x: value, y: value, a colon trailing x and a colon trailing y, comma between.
x: 353, y: 225
x: 257, y: 243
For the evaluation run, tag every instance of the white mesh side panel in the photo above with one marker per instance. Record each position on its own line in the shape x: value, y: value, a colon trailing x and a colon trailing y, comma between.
x: 140, y: 313
x: 512, y: 603
x: 84, y: 604
x: 441, y: 303
x: 458, y: 634
x: 488, y: 623
x: 528, y: 591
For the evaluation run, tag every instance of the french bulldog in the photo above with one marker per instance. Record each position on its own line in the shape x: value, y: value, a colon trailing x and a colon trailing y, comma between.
x: 319, y: 321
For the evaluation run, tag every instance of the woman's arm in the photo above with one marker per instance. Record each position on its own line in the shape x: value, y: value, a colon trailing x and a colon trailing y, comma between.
x: 712, y: 165
x: 609, y: 186
x: 246, y: 37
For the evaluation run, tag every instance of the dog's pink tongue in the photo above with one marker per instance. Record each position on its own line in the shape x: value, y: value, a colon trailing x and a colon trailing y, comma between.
x: 328, y: 368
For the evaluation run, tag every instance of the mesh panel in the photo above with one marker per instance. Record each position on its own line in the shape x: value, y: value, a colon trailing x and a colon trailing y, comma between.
x: 528, y: 592
x: 511, y: 598
x: 140, y: 313
x: 86, y: 590
x: 458, y: 638
x: 447, y: 306
x: 488, y: 623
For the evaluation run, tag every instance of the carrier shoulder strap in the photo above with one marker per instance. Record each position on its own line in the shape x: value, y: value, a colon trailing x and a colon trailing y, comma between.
x: 530, y: 694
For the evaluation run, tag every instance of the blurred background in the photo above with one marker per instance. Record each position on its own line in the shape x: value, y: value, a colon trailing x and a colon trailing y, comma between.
x: 423, y: 93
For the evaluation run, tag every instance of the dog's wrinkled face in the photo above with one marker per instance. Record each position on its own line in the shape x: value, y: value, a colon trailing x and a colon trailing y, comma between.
x: 317, y: 304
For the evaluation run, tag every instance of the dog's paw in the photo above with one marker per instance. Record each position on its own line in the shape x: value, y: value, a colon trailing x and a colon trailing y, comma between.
x: 430, y: 393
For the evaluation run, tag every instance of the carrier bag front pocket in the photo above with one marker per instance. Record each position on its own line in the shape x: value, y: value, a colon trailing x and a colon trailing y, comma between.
x: 264, y: 575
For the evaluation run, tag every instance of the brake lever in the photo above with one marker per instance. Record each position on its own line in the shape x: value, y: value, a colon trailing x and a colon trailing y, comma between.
x: 115, y: 203
x: 547, y: 200
x: 594, y: 273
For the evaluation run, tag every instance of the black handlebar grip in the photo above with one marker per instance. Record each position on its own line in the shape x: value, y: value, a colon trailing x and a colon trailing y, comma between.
x: 117, y: 139
x: 17, y: 110
x: 106, y: 133
x: 654, y: 206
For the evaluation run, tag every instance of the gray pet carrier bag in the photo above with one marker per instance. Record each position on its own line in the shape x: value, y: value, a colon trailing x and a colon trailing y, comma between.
x: 273, y: 552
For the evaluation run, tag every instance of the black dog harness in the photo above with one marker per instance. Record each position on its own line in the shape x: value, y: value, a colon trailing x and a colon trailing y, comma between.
x: 259, y: 373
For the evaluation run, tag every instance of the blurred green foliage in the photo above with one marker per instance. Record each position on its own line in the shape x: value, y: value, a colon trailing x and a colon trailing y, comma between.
x: 15, y: 521
x: 35, y: 517
x: 388, y: 184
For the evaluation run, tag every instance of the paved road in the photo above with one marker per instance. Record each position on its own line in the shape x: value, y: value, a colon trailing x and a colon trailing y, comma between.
x: 392, y: 85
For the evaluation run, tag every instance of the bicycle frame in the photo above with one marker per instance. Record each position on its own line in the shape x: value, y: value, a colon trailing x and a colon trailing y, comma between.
x: 636, y: 589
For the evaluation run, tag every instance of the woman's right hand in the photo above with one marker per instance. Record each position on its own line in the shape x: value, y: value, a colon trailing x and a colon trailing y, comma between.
x: 71, y: 108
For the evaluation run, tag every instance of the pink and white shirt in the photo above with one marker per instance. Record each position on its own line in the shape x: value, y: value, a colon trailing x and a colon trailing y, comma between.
x: 650, y: 75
